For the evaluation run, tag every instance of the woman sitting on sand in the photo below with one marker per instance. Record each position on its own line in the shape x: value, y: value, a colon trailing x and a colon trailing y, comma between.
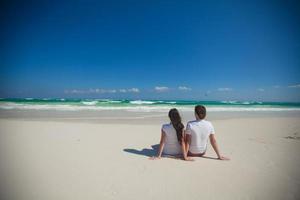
x: 172, y: 141
x: 197, y: 134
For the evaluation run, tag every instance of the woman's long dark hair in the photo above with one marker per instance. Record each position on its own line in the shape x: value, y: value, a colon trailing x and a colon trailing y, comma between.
x: 176, y: 122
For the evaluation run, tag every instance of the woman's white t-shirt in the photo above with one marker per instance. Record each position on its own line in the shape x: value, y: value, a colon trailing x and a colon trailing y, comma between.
x: 199, y: 131
x: 172, y: 146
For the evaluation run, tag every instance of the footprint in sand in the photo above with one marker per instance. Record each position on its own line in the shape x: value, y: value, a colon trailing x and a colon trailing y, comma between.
x: 294, y: 137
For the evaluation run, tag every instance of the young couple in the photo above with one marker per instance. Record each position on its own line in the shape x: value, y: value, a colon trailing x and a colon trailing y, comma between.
x: 190, y: 142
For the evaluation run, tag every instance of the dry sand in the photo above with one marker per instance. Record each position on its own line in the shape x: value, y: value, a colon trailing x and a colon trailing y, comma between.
x: 46, y: 160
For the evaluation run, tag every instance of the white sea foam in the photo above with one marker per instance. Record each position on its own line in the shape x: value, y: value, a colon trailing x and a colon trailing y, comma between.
x: 242, y: 102
x: 139, y: 108
x: 140, y: 102
x: 246, y: 102
x: 230, y: 102
x: 171, y: 102
x: 89, y: 103
x: 114, y: 101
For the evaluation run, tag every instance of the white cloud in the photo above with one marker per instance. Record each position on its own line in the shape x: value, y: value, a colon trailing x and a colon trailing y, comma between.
x: 294, y: 86
x: 74, y: 91
x: 276, y: 86
x: 225, y: 89
x: 184, y: 88
x: 134, y: 90
x: 111, y: 91
x: 122, y: 90
x: 161, y: 88
x: 260, y: 89
x: 97, y: 90
x: 101, y: 91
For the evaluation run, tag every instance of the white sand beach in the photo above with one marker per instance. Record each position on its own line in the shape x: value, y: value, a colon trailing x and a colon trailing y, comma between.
x: 86, y: 87
x: 69, y: 160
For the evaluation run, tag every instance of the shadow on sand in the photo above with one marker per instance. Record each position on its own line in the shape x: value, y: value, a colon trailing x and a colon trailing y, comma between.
x: 153, y: 152
x: 144, y: 152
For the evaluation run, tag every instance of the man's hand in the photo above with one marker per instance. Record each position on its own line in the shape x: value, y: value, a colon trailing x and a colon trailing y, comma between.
x: 223, y: 158
x: 189, y: 159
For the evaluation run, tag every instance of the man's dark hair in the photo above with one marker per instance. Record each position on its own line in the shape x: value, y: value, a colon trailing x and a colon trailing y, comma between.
x: 200, y: 111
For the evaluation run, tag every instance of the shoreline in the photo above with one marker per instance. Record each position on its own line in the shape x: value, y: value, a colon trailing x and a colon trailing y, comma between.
x: 128, y: 117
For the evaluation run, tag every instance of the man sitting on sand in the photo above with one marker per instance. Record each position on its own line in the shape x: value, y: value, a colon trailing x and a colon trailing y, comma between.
x: 197, y: 134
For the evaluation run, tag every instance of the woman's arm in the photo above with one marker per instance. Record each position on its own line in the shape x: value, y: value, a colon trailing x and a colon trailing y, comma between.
x: 161, y: 145
x: 187, y: 142
x: 214, y: 144
x: 184, y: 152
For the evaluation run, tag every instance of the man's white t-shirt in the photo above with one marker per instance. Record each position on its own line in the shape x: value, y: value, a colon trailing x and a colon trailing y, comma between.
x: 199, y: 131
x: 172, y: 146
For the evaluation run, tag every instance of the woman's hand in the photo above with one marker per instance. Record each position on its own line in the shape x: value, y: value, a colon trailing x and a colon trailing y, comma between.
x: 223, y: 158
x: 188, y: 159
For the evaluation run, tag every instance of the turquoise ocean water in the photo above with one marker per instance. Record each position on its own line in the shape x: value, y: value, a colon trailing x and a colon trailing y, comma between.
x: 142, y: 105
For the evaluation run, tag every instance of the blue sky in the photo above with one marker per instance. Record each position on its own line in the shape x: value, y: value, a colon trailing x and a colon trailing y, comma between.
x: 204, y: 50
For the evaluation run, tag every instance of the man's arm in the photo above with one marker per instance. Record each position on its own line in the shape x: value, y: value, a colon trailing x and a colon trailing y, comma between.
x: 214, y: 144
